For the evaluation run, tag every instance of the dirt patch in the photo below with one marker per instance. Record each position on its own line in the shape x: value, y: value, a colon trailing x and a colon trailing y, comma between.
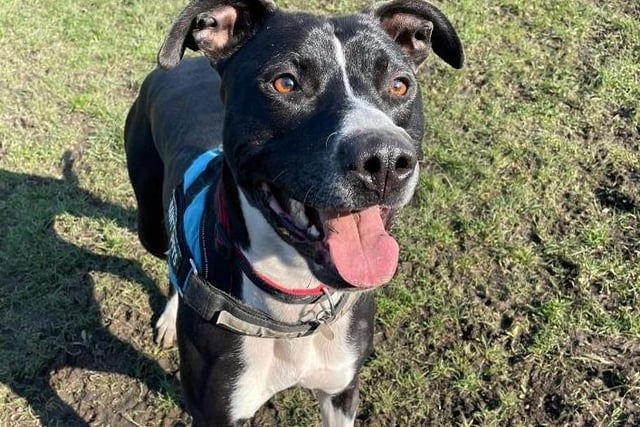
x: 102, y: 381
x: 618, y: 192
x: 115, y: 400
x: 615, y: 199
x: 592, y: 381
x: 619, y: 188
x: 73, y: 161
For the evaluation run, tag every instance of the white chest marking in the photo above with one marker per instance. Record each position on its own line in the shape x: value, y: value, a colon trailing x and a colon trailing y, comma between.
x: 312, y: 362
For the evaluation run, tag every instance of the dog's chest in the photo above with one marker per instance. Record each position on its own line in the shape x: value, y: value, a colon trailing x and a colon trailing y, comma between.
x: 313, y: 362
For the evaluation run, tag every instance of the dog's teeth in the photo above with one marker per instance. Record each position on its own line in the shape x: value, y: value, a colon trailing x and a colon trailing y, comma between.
x: 298, y: 214
x: 313, y: 231
x: 275, y: 206
x: 295, y: 205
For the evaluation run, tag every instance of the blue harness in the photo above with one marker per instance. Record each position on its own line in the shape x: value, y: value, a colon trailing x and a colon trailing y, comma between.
x: 185, y: 218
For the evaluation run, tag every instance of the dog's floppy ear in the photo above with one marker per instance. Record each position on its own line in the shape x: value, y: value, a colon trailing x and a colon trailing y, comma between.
x: 418, y: 26
x: 217, y: 27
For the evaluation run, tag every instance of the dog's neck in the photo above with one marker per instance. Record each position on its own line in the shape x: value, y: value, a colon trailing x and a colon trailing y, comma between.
x: 266, y: 273
x: 270, y: 256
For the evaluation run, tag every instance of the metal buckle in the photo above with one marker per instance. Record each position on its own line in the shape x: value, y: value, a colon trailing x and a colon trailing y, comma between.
x: 194, y: 270
x: 325, y: 317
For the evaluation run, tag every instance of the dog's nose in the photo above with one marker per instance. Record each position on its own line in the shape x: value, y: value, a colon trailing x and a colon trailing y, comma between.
x: 381, y: 163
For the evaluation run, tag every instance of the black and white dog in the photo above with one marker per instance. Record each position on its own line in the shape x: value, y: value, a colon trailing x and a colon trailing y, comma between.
x: 270, y: 183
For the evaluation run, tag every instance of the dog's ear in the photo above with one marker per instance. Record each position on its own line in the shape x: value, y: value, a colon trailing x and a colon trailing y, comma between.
x: 418, y: 26
x: 217, y: 27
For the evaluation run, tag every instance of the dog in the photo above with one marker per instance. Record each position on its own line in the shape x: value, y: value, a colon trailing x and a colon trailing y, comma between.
x: 268, y: 173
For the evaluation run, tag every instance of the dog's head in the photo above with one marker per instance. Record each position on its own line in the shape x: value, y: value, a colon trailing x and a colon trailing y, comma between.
x: 323, y: 121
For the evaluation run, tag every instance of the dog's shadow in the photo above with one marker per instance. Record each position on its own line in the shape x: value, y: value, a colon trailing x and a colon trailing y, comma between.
x: 49, y: 318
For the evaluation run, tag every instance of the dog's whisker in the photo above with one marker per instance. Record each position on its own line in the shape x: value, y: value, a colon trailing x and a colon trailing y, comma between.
x: 280, y: 174
x: 306, y: 196
x: 310, y: 282
x: 331, y: 135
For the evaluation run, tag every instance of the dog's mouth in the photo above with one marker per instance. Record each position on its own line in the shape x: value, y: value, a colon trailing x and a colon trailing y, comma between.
x: 354, y: 244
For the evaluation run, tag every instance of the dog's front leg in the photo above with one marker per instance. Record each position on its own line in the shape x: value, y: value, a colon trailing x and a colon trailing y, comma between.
x: 166, y: 324
x: 339, y: 410
x: 210, y: 365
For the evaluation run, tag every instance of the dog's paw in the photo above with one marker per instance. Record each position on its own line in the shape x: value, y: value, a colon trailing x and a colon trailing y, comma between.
x: 166, y: 324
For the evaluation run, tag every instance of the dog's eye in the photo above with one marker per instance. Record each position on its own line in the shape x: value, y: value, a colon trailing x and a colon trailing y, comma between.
x: 398, y: 87
x: 285, y: 84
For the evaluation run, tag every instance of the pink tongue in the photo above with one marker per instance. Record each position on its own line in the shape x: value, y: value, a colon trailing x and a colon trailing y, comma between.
x: 362, y: 251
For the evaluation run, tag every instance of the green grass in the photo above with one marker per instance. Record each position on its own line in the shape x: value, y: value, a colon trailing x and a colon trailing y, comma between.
x: 516, y: 302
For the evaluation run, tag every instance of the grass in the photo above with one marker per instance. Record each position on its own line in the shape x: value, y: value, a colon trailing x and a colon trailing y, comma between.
x: 516, y: 302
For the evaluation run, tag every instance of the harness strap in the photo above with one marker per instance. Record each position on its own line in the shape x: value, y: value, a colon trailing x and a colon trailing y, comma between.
x: 215, y: 305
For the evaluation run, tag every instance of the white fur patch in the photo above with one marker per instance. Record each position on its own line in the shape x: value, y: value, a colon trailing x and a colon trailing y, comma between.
x: 166, y: 324
x: 342, y: 63
x: 272, y: 256
x: 272, y: 365
x: 361, y: 114
x: 331, y: 416
x: 411, y: 186
x: 312, y: 362
x: 280, y: 262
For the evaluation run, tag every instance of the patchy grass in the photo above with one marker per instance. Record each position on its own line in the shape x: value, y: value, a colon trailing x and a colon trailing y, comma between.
x: 517, y: 298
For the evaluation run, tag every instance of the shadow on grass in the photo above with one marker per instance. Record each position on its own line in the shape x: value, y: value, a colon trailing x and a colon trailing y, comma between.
x: 49, y: 318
